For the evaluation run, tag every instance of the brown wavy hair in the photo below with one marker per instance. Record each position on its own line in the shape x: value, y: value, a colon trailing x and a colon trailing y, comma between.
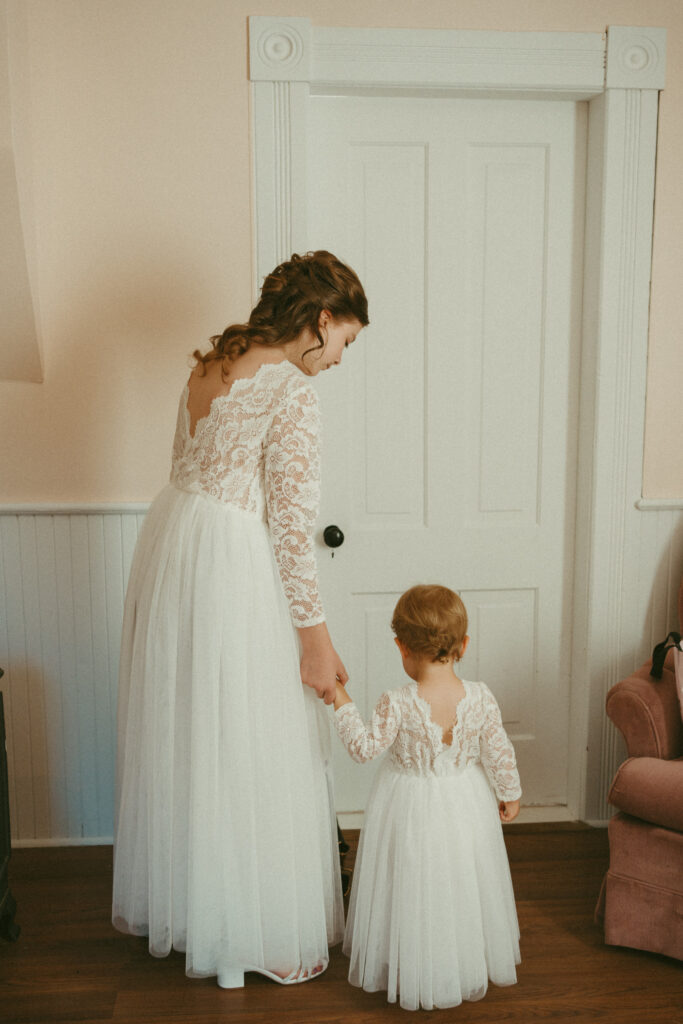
x: 431, y: 621
x: 292, y: 298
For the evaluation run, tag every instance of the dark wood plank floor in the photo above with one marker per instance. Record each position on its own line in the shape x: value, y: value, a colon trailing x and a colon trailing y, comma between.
x: 70, y: 966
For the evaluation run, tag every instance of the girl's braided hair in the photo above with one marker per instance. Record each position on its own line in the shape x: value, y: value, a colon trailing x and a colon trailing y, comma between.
x: 431, y: 621
x: 292, y: 298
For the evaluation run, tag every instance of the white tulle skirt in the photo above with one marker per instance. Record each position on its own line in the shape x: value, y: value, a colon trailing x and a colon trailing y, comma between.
x: 225, y: 842
x: 432, y: 913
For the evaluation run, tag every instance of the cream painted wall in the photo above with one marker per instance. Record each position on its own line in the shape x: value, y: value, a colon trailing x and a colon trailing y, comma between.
x: 133, y: 155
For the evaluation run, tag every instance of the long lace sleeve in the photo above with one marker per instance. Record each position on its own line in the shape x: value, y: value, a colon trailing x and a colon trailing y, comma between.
x: 365, y: 742
x: 292, y: 471
x: 496, y: 751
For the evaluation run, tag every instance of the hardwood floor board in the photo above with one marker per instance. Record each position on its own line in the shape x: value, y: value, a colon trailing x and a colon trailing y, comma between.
x: 57, y: 1006
x: 80, y: 930
x: 458, y: 1015
x: 88, y: 963
x: 328, y: 999
x: 612, y: 981
x: 553, y: 1010
x: 82, y: 913
x: 77, y: 862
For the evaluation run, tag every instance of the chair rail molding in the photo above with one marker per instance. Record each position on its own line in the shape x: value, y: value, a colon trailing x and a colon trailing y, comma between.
x: 619, y: 73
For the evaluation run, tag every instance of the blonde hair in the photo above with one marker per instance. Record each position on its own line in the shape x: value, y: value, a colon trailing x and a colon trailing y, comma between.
x: 431, y: 621
x: 292, y: 298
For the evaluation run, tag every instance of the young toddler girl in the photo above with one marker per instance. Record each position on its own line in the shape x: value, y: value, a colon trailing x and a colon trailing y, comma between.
x: 432, y: 914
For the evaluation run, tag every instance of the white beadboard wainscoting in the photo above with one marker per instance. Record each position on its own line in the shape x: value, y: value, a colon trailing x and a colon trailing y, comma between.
x: 63, y: 573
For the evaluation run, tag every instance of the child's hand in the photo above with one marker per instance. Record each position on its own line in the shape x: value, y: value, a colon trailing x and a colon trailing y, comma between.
x: 341, y: 697
x: 507, y: 809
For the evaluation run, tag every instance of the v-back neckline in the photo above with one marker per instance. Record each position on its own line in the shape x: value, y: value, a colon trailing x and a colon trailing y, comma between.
x: 427, y: 711
x: 219, y: 399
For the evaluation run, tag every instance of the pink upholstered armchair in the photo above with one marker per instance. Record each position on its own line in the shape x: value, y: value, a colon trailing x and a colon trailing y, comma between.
x: 641, y: 901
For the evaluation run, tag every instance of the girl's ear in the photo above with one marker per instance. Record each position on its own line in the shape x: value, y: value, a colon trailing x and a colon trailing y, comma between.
x: 463, y: 648
x: 401, y: 646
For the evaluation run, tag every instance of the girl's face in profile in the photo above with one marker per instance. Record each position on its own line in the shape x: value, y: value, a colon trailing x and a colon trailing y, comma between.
x: 338, y: 335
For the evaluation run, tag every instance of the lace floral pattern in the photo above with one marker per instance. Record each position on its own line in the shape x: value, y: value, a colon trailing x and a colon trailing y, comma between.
x: 401, y: 723
x: 258, y: 450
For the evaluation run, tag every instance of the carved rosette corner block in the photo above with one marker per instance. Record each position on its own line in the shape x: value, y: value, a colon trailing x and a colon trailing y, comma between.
x: 279, y: 49
x: 636, y: 58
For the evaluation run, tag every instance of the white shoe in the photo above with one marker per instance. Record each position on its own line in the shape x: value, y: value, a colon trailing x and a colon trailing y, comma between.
x: 235, y: 978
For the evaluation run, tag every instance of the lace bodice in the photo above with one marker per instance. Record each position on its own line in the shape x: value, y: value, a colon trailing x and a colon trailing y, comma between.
x: 402, y: 723
x: 258, y: 450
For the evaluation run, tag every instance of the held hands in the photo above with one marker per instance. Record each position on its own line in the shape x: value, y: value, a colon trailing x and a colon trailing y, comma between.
x: 321, y: 666
x: 508, y: 810
x: 341, y: 697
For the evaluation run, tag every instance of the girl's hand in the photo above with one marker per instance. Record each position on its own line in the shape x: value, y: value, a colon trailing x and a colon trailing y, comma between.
x: 508, y: 809
x: 341, y: 697
x: 321, y: 666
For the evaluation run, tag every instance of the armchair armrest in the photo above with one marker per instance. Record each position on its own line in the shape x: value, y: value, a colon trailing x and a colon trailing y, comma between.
x: 647, y: 713
x: 651, y: 789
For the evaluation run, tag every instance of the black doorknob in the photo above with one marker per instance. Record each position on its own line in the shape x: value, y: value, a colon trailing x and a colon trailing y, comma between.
x: 333, y: 536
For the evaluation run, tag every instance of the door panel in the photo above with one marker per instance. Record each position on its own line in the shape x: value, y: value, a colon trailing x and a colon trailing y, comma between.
x: 450, y: 428
x: 506, y: 222
x: 391, y: 493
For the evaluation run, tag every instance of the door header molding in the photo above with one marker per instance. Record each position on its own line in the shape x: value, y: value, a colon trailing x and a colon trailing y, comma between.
x: 576, y: 65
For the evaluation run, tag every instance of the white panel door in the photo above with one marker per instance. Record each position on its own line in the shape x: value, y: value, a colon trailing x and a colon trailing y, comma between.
x: 450, y: 428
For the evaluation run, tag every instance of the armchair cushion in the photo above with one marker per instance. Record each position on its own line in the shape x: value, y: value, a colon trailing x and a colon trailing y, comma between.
x: 651, y: 789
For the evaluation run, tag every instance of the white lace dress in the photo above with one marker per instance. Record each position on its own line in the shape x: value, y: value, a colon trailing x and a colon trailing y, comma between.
x: 432, y: 913
x: 225, y: 842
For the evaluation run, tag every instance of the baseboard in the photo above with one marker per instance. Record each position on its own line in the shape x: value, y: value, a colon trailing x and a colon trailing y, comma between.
x: 26, y: 844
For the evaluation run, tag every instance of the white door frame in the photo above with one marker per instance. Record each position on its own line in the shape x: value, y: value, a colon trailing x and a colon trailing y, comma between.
x: 620, y: 74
